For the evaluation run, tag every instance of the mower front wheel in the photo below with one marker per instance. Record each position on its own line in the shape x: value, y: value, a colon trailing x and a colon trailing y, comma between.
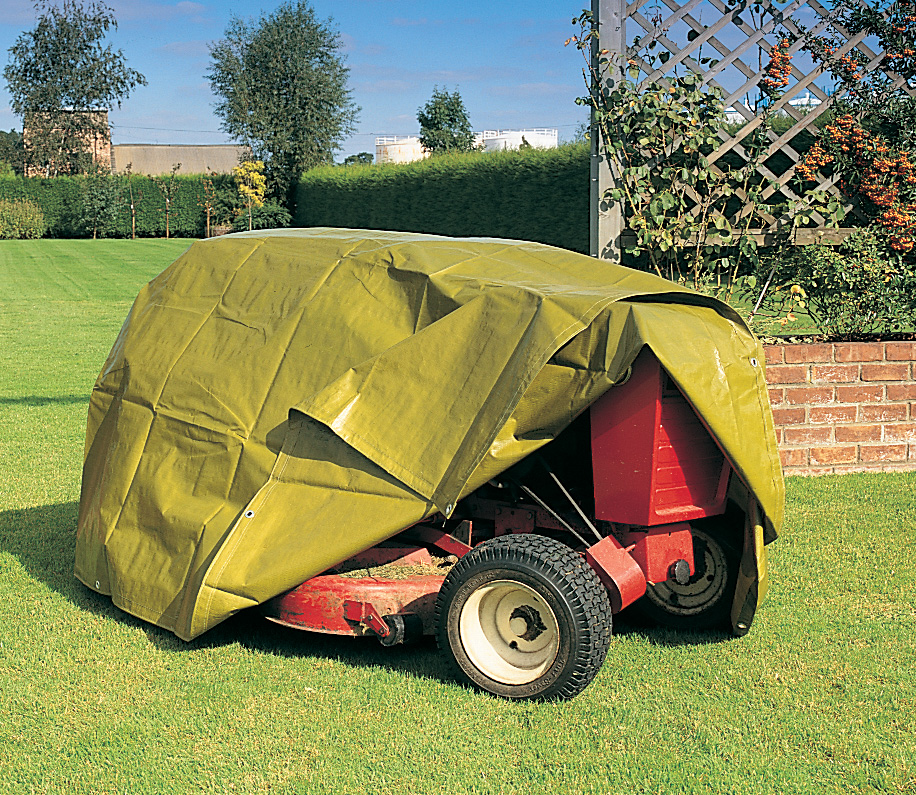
x: 524, y: 617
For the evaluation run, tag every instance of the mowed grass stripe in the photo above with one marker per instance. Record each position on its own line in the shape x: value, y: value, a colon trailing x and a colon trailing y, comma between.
x: 818, y: 698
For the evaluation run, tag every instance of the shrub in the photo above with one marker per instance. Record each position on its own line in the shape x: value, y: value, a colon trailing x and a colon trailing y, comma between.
x: 268, y: 216
x: 21, y: 219
x: 860, y: 287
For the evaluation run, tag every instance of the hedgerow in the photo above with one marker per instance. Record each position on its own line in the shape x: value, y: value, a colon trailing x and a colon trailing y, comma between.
x: 62, y: 201
x: 530, y: 194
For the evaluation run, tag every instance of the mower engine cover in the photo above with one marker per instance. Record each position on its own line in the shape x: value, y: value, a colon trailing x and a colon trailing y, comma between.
x: 278, y: 401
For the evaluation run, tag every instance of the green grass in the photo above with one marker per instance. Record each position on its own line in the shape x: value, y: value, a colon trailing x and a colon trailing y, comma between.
x: 818, y: 698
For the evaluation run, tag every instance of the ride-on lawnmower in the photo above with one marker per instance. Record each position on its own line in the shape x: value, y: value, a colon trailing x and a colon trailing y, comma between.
x: 499, y: 444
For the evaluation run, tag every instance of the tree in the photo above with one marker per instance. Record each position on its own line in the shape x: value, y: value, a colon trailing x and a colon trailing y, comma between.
x: 362, y: 159
x: 249, y: 177
x: 168, y: 187
x: 444, y: 123
x: 99, y: 211
x: 60, y: 76
x: 281, y: 84
x: 134, y: 198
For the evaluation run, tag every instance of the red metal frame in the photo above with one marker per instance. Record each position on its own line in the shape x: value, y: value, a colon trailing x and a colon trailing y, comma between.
x: 354, y: 605
x: 654, y: 461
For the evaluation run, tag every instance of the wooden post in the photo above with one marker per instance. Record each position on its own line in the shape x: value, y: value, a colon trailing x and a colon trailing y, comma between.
x: 606, y: 223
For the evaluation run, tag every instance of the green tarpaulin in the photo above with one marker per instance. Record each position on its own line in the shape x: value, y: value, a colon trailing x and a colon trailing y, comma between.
x: 278, y: 401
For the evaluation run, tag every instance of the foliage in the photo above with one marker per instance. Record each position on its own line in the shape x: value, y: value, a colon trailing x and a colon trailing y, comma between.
x: 132, y: 197
x: 250, y: 180
x: 59, y: 198
x: 63, y: 201
x: 444, y: 123
x: 691, y: 222
x: 860, y: 287
x: 21, y: 220
x: 168, y: 186
x: 268, y: 215
x: 282, y: 89
x: 100, y: 200
x: 536, y: 194
x: 59, y: 75
x: 361, y: 159
x: 870, y: 146
x: 11, y: 151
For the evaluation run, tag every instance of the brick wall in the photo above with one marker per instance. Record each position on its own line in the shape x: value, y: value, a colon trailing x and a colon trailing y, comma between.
x: 844, y: 406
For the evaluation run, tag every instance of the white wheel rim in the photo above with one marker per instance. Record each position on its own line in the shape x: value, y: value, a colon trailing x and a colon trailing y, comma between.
x: 509, y: 632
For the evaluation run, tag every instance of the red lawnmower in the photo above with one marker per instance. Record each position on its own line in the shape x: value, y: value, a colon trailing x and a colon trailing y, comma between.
x: 627, y: 506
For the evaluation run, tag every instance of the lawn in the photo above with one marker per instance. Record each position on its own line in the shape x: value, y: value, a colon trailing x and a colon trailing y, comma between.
x: 819, y: 698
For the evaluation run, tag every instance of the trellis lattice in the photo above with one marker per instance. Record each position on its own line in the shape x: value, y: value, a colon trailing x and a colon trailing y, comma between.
x: 728, y: 46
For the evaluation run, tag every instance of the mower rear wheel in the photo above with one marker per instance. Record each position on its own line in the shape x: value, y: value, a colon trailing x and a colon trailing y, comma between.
x: 524, y: 617
x: 705, y: 601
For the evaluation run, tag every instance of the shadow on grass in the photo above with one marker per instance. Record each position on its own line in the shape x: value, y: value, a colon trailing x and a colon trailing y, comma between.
x: 39, y: 400
x: 43, y: 539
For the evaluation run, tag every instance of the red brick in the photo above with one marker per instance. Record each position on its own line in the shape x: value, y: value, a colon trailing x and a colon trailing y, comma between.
x: 796, y: 395
x: 885, y: 372
x: 900, y: 432
x: 834, y: 372
x: 797, y: 457
x: 787, y: 374
x: 858, y: 433
x: 797, y: 354
x: 836, y: 454
x: 773, y: 354
x: 823, y: 434
x: 883, y: 412
x: 831, y: 414
x: 776, y: 396
x: 859, y: 394
x: 884, y: 452
x: 859, y: 351
x: 788, y: 416
x: 913, y: 452
x: 901, y: 391
x: 900, y: 351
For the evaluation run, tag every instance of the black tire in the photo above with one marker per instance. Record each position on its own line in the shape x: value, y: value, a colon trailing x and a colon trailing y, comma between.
x: 524, y: 617
x: 705, y: 601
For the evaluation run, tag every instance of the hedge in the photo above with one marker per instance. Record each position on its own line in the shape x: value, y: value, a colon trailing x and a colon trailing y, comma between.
x: 61, y: 201
x: 21, y: 220
x: 530, y: 194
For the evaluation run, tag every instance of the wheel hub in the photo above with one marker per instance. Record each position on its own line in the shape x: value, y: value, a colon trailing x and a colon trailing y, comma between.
x: 509, y: 632
x: 701, y: 591
x: 526, y: 622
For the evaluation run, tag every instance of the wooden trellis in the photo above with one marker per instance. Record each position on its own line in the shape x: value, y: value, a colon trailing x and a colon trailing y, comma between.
x: 740, y: 38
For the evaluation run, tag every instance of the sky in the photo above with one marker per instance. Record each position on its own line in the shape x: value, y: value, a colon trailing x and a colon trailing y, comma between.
x: 506, y: 59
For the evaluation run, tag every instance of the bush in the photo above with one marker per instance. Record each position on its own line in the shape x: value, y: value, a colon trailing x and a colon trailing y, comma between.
x: 268, y: 216
x: 21, y: 220
x: 860, y: 287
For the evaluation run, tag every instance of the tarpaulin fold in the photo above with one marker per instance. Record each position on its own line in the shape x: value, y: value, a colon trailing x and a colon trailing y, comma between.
x: 278, y: 401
